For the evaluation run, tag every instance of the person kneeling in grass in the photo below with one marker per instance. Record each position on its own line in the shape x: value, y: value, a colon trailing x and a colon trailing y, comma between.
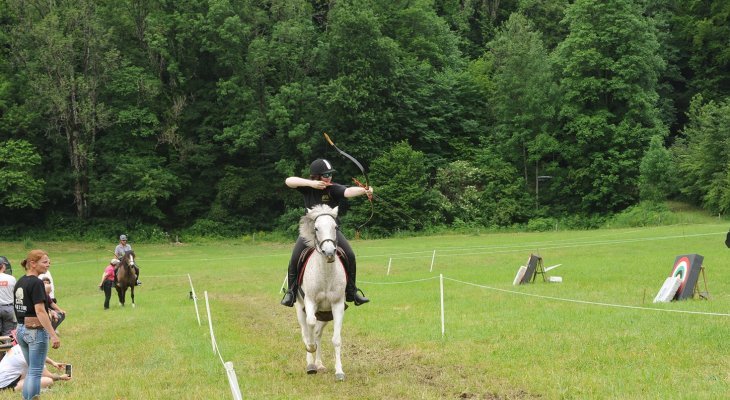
x: 13, y: 369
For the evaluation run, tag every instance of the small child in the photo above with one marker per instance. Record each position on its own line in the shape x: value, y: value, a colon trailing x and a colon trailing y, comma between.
x: 56, y: 313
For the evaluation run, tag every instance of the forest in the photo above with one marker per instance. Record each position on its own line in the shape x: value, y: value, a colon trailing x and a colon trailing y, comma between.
x: 170, y: 117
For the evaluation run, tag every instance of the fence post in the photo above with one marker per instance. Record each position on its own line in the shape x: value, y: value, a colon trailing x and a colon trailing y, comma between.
x: 210, y: 322
x: 443, y: 327
x: 195, y: 298
x: 233, y: 381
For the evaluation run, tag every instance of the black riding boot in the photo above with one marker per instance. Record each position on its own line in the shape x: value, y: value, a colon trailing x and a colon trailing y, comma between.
x: 290, y: 297
x: 351, y: 290
x: 136, y: 269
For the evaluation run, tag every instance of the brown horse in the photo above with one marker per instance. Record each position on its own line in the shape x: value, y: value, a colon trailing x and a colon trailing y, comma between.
x: 126, y: 278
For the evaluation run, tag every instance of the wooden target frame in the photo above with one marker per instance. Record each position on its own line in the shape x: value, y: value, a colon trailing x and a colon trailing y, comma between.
x: 534, y: 267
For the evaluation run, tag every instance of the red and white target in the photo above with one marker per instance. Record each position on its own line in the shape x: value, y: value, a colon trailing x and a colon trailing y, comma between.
x: 687, y: 269
x: 681, y: 271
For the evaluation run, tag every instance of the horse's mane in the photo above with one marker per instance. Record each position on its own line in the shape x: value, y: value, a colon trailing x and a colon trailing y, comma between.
x: 306, y: 223
x: 124, y: 261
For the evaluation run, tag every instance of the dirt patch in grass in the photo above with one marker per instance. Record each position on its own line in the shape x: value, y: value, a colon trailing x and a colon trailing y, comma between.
x: 373, y: 365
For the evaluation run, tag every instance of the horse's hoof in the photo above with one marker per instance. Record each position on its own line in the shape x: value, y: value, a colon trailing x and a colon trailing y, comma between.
x: 339, y: 377
x: 134, y: 305
x: 311, y: 369
x: 321, y: 368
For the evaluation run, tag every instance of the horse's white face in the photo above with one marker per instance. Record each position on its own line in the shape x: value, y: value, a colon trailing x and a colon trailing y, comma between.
x: 325, y: 232
x: 131, y: 260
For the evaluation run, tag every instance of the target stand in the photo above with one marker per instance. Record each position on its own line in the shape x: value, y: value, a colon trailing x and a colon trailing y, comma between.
x: 696, y: 294
x: 533, y: 268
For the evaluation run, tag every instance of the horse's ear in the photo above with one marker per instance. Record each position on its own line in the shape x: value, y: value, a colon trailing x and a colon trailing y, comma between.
x: 335, y: 209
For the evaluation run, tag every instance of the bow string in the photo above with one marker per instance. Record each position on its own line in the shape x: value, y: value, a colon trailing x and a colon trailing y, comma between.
x: 365, y: 186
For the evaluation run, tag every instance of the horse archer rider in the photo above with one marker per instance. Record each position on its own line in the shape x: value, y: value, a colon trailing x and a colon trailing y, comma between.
x: 122, y: 248
x: 319, y: 189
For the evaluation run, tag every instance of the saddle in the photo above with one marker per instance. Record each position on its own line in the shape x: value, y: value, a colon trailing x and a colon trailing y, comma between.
x: 301, y: 266
x: 304, y: 257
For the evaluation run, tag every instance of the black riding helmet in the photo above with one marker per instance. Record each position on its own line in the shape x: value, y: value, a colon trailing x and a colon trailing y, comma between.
x: 320, y: 166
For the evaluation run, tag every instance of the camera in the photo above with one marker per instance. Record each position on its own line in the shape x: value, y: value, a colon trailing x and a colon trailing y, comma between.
x: 68, y: 370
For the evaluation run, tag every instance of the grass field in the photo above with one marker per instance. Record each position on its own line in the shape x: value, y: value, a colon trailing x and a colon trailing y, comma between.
x: 597, y: 335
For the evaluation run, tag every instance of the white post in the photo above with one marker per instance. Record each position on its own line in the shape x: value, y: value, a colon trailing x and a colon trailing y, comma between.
x: 210, y: 322
x: 195, y: 299
x: 233, y: 381
x: 389, y: 261
x: 432, y: 260
x: 443, y: 327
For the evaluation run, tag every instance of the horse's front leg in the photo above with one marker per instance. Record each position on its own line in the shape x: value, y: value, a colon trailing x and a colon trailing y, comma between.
x: 312, y: 343
x: 120, y: 293
x: 132, y: 294
x: 307, y: 335
x: 338, y: 315
x: 318, y: 328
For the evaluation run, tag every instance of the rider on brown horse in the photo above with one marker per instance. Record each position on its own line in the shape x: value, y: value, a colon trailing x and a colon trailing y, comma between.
x: 122, y: 248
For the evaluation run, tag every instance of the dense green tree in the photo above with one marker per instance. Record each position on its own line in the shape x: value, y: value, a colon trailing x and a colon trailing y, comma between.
x: 703, y: 155
x: 191, y: 114
x: 657, y: 180
x: 488, y: 192
x: 609, y: 66
x: 523, y: 98
x: 708, y: 31
x: 64, y: 49
x: 404, y: 200
x: 21, y: 187
x: 546, y: 16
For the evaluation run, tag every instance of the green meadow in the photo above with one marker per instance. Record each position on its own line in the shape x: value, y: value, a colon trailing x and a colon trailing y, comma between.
x: 596, y: 335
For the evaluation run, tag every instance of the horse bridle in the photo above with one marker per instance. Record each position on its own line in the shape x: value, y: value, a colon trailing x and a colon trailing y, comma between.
x: 318, y: 244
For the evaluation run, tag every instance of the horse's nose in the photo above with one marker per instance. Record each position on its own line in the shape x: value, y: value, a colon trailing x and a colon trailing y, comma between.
x: 330, y: 258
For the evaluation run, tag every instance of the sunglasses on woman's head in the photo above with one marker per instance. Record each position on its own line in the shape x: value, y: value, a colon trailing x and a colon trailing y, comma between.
x: 327, y: 175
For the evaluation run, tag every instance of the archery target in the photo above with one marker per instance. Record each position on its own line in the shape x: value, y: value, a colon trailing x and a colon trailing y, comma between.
x: 531, y: 266
x: 687, y: 270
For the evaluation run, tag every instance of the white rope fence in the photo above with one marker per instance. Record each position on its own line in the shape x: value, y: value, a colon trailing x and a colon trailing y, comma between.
x: 441, y: 278
x: 227, y: 365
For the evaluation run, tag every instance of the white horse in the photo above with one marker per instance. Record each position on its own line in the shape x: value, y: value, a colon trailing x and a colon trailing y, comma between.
x: 323, y: 284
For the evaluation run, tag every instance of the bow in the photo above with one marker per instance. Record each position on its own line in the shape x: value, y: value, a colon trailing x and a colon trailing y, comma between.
x: 365, y: 186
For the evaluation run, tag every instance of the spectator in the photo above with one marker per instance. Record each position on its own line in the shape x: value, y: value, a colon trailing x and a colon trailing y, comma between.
x: 8, y: 267
x: 34, y: 325
x: 120, y: 250
x: 107, y: 281
x: 53, y: 285
x: 7, y: 286
x: 55, y: 312
x: 13, y: 369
